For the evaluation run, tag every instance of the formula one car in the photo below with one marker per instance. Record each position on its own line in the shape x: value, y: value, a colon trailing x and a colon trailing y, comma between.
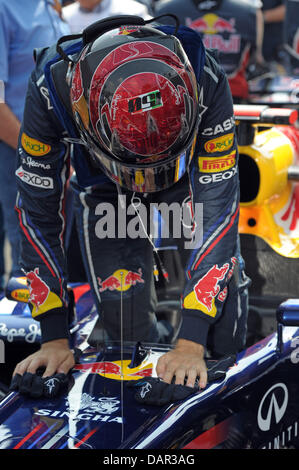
x: 249, y: 403
x: 254, y: 405
x: 268, y: 167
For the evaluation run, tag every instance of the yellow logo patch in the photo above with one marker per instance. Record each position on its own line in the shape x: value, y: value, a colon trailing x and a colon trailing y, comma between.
x: 215, y: 165
x: 206, y: 290
x: 117, y: 370
x: 34, y: 147
x: 120, y: 370
x: 21, y: 295
x: 52, y: 301
x: 220, y: 144
x: 41, y: 298
x: 191, y: 302
x: 121, y: 280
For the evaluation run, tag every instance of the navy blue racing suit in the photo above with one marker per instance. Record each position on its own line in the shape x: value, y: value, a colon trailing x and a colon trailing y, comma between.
x: 119, y: 267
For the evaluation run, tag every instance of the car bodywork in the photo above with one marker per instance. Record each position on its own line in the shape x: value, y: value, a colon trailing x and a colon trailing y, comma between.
x: 254, y: 406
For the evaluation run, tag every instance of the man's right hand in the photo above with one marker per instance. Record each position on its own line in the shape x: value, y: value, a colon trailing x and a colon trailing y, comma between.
x: 55, y: 356
x: 186, y: 360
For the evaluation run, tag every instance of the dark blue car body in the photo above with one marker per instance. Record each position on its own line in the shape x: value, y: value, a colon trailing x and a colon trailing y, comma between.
x: 254, y: 406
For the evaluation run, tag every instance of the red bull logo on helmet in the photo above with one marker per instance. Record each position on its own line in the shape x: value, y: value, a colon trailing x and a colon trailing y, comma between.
x: 117, y: 370
x: 125, y: 30
x: 121, y: 280
x: 207, y: 289
x: 78, y: 100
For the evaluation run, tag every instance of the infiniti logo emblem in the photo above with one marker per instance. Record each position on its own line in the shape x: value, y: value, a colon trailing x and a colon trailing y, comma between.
x: 275, y: 406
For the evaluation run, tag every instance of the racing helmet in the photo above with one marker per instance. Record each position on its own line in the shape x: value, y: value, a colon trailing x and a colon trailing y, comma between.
x: 134, y: 98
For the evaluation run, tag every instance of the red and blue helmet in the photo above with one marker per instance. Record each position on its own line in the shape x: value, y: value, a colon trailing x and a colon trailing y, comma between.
x: 135, y: 102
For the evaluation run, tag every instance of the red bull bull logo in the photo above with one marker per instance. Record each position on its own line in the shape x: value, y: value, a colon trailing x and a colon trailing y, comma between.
x: 121, y: 280
x: 212, y: 24
x: 222, y: 25
x: 215, y: 30
x: 78, y: 100
x: 40, y: 295
x: 125, y: 30
x: 77, y: 86
x: 207, y: 289
x: 133, y: 278
x: 38, y: 289
x: 110, y: 283
x: 118, y: 370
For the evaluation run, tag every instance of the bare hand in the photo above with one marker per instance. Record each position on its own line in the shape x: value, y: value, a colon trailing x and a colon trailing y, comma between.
x: 55, y: 356
x: 186, y: 360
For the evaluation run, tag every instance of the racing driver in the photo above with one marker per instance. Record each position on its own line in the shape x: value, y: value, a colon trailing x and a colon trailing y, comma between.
x: 135, y: 111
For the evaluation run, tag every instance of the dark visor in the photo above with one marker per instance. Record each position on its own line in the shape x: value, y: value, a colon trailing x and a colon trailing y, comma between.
x: 144, y: 177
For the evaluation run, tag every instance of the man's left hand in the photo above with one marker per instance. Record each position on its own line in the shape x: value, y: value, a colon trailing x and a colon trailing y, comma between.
x: 186, y: 361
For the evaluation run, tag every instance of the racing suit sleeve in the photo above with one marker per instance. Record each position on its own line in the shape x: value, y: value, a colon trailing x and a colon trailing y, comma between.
x: 43, y: 163
x: 214, y: 184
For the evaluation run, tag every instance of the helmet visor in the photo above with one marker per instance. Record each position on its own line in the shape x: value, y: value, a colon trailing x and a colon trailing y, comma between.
x: 146, y: 177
